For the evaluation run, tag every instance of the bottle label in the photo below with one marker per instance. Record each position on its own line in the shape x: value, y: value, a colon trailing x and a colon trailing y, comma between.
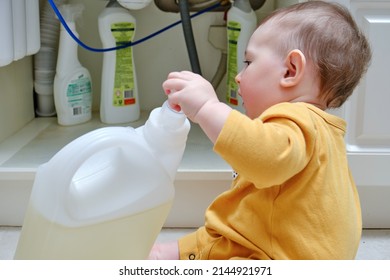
x: 233, y: 33
x: 79, y: 94
x: 124, y: 91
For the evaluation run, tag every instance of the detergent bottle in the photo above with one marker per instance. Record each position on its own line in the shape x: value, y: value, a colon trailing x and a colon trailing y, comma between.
x: 119, y: 91
x: 241, y: 23
x: 106, y: 195
x: 72, y: 81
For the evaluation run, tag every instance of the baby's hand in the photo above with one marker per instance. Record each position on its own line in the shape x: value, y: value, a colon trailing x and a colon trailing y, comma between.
x: 165, y: 251
x: 189, y: 92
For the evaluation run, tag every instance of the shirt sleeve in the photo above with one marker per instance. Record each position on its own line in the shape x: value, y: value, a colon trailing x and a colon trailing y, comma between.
x: 270, y: 149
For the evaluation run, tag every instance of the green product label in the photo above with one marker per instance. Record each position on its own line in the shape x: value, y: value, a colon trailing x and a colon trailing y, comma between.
x: 79, y: 94
x: 123, y: 93
x: 233, y: 32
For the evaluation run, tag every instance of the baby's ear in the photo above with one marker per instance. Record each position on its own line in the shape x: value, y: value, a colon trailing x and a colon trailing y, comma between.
x: 294, y: 64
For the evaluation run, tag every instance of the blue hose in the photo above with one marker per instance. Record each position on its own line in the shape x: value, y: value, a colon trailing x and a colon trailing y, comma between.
x: 63, y: 22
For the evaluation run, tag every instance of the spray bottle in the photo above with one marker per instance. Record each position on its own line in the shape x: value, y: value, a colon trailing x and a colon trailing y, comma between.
x: 72, y: 82
x: 241, y: 23
x: 119, y: 91
x: 106, y: 194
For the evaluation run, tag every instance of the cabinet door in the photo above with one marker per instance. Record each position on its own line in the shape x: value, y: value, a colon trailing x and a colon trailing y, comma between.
x: 367, y: 113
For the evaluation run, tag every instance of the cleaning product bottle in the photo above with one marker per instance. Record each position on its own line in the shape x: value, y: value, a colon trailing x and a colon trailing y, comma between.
x: 72, y: 82
x: 241, y: 23
x: 119, y: 91
x: 106, y: 194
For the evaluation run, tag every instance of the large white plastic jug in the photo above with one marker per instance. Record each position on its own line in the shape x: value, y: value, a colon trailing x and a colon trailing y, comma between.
x: 106, y: 194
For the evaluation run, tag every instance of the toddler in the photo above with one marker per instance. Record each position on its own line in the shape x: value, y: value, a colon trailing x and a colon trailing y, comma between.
x: 292, y: 196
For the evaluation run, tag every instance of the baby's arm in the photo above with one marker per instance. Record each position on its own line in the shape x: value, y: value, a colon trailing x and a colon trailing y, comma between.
x: 196, y: 97
x: 165, y: 251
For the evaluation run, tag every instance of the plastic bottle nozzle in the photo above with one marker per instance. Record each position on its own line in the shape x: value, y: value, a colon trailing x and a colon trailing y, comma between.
x: 170, y: 117
x: 71, y: 12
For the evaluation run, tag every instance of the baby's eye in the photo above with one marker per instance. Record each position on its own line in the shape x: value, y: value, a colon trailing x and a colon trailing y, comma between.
x: 247, y: 62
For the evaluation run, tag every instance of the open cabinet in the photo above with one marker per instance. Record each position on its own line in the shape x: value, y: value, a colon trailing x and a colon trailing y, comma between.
x: 26, y: 141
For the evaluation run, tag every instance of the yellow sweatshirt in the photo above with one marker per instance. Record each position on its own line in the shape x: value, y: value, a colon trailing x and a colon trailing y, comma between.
x: 293, y: 197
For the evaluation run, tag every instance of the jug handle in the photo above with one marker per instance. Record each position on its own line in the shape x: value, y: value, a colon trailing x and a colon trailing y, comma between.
x: 79, y: 150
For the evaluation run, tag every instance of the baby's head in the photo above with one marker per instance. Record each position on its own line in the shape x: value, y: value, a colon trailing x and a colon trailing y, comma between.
x: 330, y: 40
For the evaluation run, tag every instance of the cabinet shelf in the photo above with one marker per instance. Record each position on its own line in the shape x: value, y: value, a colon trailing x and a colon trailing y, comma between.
x: 39, y: 140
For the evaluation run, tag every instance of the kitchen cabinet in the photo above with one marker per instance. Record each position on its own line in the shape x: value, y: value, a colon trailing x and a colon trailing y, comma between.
x: 26, y: 142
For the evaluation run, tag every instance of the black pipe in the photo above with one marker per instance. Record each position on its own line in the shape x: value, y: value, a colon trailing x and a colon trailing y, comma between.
x: 189, y: 36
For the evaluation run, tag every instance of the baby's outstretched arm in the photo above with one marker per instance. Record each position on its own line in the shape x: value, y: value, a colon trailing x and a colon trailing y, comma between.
x: 165, y: 251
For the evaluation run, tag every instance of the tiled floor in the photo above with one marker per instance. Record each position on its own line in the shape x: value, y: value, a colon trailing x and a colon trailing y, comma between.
x: 375, y: 244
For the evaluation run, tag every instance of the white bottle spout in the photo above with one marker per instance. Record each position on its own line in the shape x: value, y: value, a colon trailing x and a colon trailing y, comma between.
x: 166, y: 131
